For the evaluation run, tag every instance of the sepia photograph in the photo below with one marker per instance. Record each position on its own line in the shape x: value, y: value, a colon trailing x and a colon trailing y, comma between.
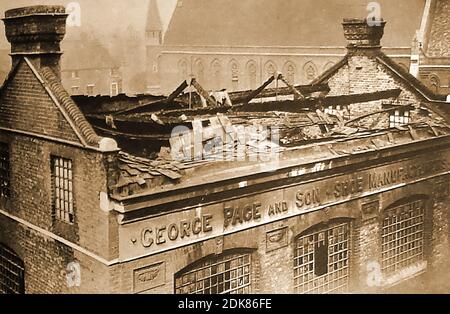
x: 247, y: 147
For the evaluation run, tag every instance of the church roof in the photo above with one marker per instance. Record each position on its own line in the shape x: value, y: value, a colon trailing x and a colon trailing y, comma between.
x: 153, y: 17
x: 285, y: 22
x: 438, y: 39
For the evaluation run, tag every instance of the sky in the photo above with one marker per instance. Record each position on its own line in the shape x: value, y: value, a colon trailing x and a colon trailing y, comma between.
x: 103, y: 16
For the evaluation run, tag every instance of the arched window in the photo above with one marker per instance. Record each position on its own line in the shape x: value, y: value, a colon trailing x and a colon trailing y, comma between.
x: 216, y: 69
x: 199, y: 71
x: 183, y: 69
x: 435, y: 82
x: 228, y: 273
x: 12, y: 272
x: 252, y: 74
x: 321, y: 259
x: 234, y: 70
x: 271, y: 68
x: 402, y: 235
x: 289, y: 72
x: 310, y: 71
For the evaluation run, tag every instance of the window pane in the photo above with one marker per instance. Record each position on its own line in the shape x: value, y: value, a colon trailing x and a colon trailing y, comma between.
x: 63, y: 189
x: 321, y: 260
x: 228, y: 274
x: 402, y: 237
x: 12, y: 279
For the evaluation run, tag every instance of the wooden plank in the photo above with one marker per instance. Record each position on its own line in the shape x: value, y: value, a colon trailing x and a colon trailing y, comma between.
x: 170, y: 174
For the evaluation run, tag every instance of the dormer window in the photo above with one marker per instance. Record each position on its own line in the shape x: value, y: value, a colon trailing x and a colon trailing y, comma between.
x: 399, y: 117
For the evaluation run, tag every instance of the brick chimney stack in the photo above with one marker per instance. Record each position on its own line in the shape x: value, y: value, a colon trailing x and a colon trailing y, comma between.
x: 363, y: 34
x: 36, y: 32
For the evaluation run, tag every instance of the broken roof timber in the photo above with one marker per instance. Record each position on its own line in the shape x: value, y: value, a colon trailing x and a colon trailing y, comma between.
x: 285, y: 106
x: 203, y: 93
x: 297, y: 94
x: 364, y: 147
x: 239, y: 97
x: 257, y: 91
x: 311, y: 103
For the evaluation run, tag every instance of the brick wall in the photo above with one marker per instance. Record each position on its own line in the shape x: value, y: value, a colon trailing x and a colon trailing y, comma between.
x: 47, y: 262
x: 27, y: 106
x: 32, y: 195
x: 437, y: 49
x: 364, y: 74
x: 273, y: 268
x: 45, y: 259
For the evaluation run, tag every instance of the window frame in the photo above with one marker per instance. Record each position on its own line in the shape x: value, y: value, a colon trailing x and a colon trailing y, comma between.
x: 423, y: 240
x: 214, y: 261
x: 5, y: 189
x: 12, y: 267
x: 318, y: 282
x: 117, y: 89
x: 342, y: 110
x: 63, y: 215
x: 399, y: 117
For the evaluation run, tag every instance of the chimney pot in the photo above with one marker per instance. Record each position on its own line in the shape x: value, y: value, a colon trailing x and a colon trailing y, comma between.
x: 361, y: 33
x: 36, y: 32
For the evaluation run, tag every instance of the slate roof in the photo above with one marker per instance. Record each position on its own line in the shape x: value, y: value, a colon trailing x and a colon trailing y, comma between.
x: 285, y: 22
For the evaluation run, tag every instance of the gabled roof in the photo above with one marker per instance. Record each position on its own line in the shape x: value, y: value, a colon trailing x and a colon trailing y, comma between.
x: 400, y: 72
x: 284, y: 22
x: 62, y: 101
x: 409, y: 79
x: 437, y: 42
x: 70, y: 110
x: 441, y: 107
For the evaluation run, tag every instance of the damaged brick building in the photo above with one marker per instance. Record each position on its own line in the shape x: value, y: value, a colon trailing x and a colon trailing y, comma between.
x: 350, y: 200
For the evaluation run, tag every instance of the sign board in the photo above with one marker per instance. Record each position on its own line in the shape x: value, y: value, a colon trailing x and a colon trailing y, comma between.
x: 178, y: 229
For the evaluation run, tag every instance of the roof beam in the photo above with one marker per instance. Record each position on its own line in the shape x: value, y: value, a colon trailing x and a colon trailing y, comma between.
x: 203, y: 93
x: 257, y: 91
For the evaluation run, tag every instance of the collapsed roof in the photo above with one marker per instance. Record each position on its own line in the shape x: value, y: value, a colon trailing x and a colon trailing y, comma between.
x: 302, y: 117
